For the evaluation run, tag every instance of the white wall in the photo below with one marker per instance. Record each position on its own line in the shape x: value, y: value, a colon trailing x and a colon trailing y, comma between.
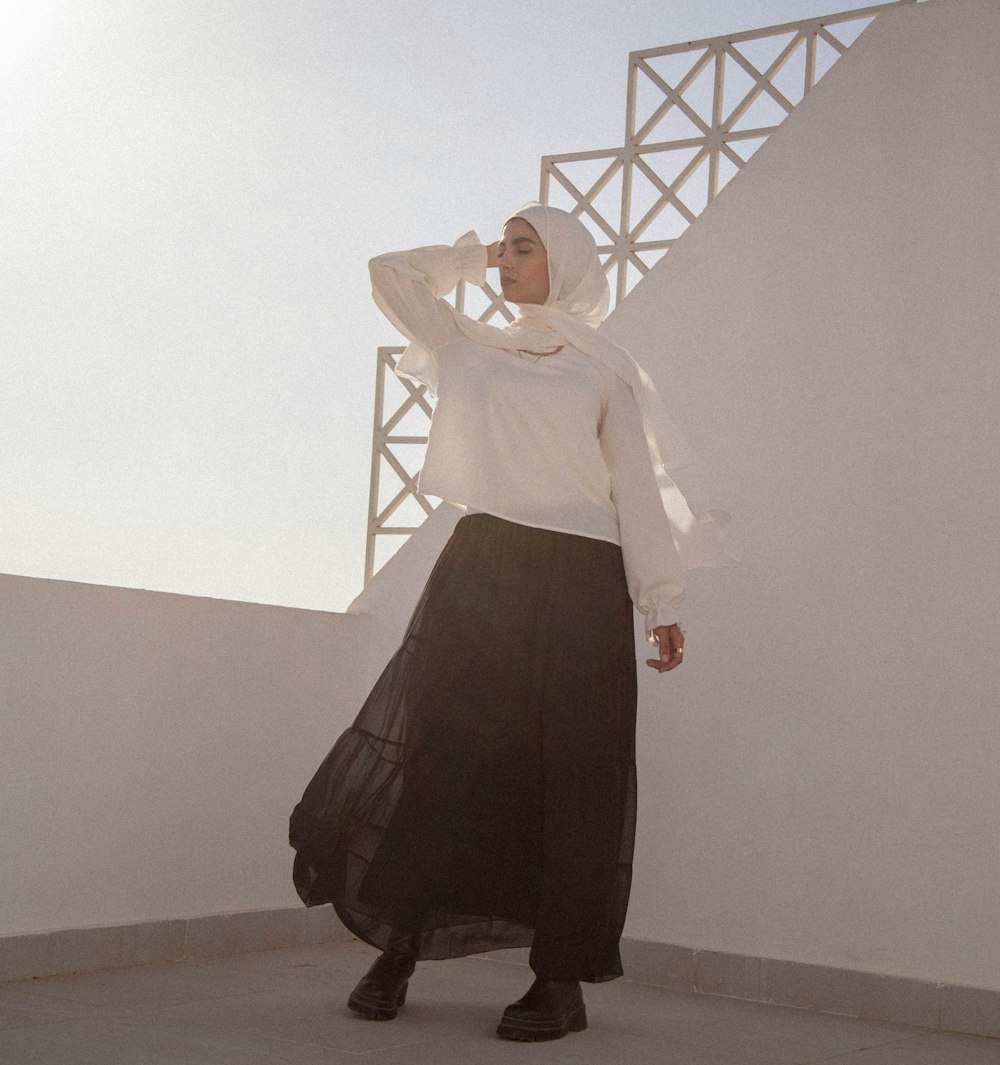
x: 153, y: 745
x: 393, y: 592
x: 820, y: 781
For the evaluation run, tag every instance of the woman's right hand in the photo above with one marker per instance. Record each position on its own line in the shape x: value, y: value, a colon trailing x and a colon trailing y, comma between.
x: 493, y: 254
x: 671, y: 642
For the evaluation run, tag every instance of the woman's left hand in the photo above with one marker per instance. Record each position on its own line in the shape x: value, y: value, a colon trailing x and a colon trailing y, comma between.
x: 671, y: 641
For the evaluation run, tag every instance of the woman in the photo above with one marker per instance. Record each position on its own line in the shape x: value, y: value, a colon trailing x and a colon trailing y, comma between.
x: 485, y: 795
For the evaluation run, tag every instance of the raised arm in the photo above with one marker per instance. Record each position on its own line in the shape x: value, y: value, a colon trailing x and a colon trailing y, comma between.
x: 409, y: 286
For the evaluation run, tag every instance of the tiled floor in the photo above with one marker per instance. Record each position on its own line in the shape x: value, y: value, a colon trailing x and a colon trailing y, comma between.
x: 286, y: 1007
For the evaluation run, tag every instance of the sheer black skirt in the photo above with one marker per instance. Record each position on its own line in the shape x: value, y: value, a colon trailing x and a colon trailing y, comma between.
x: 485, y: 795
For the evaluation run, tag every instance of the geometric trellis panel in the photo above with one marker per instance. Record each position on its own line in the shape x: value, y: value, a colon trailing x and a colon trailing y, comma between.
x: 389, y: 466
x: 695, y: 113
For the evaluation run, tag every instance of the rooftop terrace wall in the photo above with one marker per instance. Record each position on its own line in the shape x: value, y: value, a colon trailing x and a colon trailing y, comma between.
x: 154, y: 746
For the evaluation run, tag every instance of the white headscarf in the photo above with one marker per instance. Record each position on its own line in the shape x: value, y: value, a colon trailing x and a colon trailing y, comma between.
x: 577, y: 303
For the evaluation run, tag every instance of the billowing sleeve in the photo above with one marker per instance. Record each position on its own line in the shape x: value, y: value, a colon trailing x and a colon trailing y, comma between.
x: 409, y: 286
x: 652, y: 564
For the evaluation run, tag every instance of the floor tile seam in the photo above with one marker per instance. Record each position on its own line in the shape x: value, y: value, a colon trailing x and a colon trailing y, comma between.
x: 283, y: 978
x: 969, y: 1035
x: 917, y: 1032
x: 48, y: 996
x: 921, y: 1029
x: 154, y: 1025
x: 852, y: 1053
x: 384, y: 1048
x: 693, y: 992
x: 234, y: 966
x: 49, y: 1022
x: 21, y: 982
x: 131, y: 1007
x: 157, y: 1007
x: 154, y: 1021
x: 109, y: 1017
x: 784, y: 1005
x: 274, y: 1037
x: 231, y: 959
x: 361, y: 1054
x: 710, y: 1045
x: 234, y: 994
x: 498, y: 961
x: 31, y: 998
x: 202, y: 963
x: 18, y: 983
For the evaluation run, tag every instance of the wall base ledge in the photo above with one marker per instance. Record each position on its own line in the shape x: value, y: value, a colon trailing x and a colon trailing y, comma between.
x: 73, y: 950
x: 852, y: 993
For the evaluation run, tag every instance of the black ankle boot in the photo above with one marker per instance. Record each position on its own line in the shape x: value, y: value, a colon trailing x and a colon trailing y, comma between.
x: 548, y: 1010
x: 382, y: 990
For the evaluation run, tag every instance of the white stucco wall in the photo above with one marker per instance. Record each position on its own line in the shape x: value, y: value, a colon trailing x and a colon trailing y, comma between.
x: 153, y: 745
x: 820, y: 782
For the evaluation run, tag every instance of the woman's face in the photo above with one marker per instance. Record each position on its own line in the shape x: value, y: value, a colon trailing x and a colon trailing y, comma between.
x: 524, y: 265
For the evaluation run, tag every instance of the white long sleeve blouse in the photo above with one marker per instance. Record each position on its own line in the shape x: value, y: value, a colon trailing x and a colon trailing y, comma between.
x: 555, y: 442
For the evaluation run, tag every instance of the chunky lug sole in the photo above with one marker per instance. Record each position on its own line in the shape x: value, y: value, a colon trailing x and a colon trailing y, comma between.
x: 525, y: 1030
x: 376, y: 1009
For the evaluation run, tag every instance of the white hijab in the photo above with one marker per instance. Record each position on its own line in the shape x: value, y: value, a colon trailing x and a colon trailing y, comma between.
x: 577, y: 303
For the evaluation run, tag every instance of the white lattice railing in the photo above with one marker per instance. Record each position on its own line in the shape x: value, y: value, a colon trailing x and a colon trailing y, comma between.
x: 695, y: 114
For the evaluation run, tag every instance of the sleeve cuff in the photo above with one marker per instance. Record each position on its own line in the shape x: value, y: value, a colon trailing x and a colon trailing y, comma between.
x: 657, y: 616
x: 471, y: 258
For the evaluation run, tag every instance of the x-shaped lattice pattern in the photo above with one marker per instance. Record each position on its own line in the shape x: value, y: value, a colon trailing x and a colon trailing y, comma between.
x: 626, y: 192
x: 715, y: 128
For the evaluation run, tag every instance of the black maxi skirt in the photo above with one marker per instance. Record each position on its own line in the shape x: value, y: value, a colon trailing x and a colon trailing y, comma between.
x: 485, y: 795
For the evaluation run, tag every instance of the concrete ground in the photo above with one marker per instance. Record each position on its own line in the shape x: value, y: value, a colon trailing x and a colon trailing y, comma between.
x: 287, y: 1007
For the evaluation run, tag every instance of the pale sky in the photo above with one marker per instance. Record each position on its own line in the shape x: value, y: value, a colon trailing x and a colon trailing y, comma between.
x: 189, y: 194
